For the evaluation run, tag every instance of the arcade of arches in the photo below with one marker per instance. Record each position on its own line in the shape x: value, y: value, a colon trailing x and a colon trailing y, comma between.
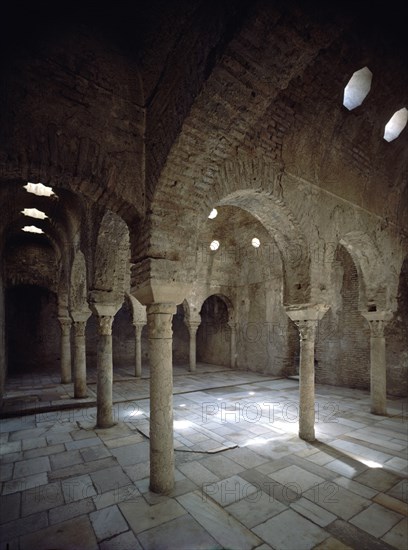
x: 138, y: 125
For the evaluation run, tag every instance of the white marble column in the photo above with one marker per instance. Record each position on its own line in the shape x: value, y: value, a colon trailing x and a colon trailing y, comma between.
x: 66, y: 374
x: 377, y: 321
x: 306, y: 320
x: 159, y: 323
x: 192, y: 330
x: 80, y: 388
x: 138, y: 349
x: 233, y: 345
x: 104, y: 413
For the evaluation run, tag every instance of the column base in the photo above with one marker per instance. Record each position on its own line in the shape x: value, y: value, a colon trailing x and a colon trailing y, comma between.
x: 307, y: 437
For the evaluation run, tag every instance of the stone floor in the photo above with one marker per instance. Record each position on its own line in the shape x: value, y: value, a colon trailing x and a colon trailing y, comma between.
x: 243, y: 478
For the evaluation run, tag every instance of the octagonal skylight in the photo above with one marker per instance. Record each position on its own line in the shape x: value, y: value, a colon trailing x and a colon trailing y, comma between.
x: 39, y: 189
x: 215, y: 245
x: 213, y: 214
x: 396, y: 124
x: 32, y: 229
x: 34, y: 213
x: 357, y: 88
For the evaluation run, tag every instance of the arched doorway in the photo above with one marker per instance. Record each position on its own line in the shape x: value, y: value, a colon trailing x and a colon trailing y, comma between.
x: 214, y: 334
x: 32, y: 330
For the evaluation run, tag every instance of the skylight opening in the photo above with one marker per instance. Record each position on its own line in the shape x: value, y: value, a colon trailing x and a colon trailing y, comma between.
x: 256, y: 243
x: 215, y: 245
x: 39, y: 189
x: 357, y: 88
x: 213, y: 214
x: 34, y: 213
x: 396, y: 124
x: 32, y: 229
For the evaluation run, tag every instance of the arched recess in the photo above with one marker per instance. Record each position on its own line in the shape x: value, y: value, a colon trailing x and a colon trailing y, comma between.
x: 214, y: 333
x: 370, y: 266
x: 396, y: 334
x: 342, y: 355
x: 281, y: 225
x: 32, y: 330
x: 181, y: 337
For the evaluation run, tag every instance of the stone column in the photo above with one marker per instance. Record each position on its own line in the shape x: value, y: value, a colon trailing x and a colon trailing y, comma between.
x: 377, y: 321
x: 307, y: 333
x: 104, y: 413
x: 233, y: 345
x: 138, y: 349
x: 66, y: 374
x: 192, y: 329
x: 159, y: 323
x: 80, y: 389
x: 306, y: 319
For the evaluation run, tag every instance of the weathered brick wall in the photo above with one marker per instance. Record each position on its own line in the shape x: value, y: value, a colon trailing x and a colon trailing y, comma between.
x: 343, y: 338
x: 396, y: 334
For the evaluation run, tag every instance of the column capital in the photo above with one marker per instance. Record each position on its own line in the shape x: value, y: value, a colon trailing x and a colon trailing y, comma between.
x: 307, y: 328
x: 139, y: 326
x: 377, y: 321
x: 105, y: 324
x: 79, y: 328
x: 303, y: 312
x: 159, y: 320
x: 192, y: 326
x: 65, y: 323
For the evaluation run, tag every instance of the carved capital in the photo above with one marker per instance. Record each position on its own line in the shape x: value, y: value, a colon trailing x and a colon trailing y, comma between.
x: 192, y: 327
x: 377, y: 321
x: 79, y: 328
x: 159, y: 320
x: 307, y: 328
x: 377, y: 327
x: 105, y: 325
x: 66, y: 324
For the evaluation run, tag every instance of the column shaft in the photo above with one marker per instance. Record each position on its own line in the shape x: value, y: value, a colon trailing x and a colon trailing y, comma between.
x: 192, y: 329
x: 80, y: 389
x: 307, y: 331
x: 66, y: 374
x: 378, y: 375
x: 159, y: 319
x: 233, y: 346
x: 138, y: 350
x: 104, y: 414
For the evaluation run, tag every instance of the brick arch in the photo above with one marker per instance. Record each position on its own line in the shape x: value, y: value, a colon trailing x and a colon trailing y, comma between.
x: 225, y: 299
